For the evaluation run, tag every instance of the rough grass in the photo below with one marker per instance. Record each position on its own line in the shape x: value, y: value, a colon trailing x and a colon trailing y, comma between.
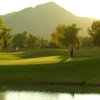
x: 51, y: 66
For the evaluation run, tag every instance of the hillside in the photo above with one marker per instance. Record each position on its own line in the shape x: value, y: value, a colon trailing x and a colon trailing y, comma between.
x: 43, y: 19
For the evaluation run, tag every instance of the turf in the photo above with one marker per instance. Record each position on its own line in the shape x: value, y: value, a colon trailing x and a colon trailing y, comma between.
x: 51, y: 66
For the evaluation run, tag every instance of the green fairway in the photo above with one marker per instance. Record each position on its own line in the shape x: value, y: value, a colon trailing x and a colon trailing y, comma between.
x: 51, y: 66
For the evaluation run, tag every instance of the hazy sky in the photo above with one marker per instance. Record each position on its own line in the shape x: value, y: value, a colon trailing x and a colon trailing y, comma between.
x: 86, y: 8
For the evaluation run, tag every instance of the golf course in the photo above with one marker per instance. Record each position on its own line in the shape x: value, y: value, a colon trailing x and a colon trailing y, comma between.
x: 51, y: 66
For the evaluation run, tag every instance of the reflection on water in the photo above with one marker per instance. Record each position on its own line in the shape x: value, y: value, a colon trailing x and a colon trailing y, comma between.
x: 28, y: 95
x: 2, y: 96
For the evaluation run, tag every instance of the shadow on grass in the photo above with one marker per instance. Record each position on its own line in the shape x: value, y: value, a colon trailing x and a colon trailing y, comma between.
x: 63, y: 59
x: 71, y: 72
x: 42, y: 53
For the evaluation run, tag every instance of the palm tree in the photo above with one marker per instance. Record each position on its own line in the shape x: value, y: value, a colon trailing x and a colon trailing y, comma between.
x: 6, y: 38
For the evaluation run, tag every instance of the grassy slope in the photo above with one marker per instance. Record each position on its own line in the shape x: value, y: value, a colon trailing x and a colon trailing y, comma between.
x: 51, y: 67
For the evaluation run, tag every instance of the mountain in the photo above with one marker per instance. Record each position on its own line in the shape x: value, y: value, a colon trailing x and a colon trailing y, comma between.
x: 43, y: 19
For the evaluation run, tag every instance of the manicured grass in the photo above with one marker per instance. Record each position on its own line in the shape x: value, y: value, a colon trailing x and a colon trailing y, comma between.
x: 51, y: 66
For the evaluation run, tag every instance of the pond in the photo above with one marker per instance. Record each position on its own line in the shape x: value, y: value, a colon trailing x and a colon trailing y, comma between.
x: 27, y: 94
x: 32, y: 95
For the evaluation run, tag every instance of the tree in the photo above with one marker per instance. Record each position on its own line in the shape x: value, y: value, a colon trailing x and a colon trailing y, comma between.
x: 1, y: 24
x: 24, y: 41
x: 66, y: 37
x: 19, y: 41
x: 85, y: 41
x: 40, y: 42
x: 5, y: 39
x: 94, y: 32
x: 31, y: 42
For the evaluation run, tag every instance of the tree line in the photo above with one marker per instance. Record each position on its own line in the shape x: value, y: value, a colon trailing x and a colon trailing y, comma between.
x: 20, y: 41
x: 64, y: 36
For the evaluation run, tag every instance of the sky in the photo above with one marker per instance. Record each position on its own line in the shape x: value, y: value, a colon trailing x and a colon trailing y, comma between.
x: 84, y: 8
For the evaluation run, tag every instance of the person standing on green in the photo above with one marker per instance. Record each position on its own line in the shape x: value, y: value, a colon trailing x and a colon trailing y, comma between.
x: 71, y: 52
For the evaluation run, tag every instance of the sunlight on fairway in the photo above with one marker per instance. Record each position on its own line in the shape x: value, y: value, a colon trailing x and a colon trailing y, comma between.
x: 45, y: 57
x: 41, y: 60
